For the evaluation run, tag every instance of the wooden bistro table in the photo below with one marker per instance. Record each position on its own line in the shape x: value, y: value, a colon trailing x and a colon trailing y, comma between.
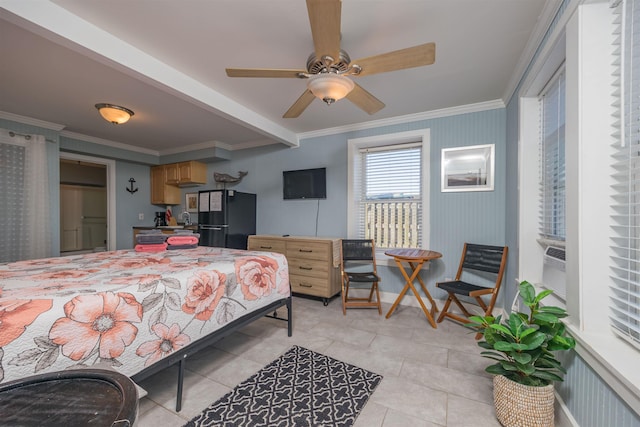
x: 416, y: 259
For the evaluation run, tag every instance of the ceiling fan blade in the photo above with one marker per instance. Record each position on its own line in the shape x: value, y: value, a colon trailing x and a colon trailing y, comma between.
x: 417, y: 56
x: 300, y: 105
x: 324, y: 17
x: 363, y: 99
x: 262, y: 72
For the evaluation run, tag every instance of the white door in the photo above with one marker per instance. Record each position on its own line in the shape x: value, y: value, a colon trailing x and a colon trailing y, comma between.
x: 70, y: 218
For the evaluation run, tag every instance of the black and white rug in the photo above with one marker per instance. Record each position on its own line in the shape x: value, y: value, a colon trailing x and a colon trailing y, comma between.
x: 300, y: 388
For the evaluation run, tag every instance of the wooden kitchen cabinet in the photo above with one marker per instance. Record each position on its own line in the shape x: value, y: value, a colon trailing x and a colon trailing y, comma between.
x: 186, y: 174
x: 161, y: 192
x: 314, y: 262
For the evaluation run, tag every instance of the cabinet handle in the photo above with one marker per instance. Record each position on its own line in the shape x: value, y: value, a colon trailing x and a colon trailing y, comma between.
x: 305, y: 268
x: 265, y: 247
x: 305, y: 285
x: 305, y: 250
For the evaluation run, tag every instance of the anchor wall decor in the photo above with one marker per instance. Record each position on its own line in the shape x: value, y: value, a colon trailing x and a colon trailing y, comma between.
x: 130, y: 189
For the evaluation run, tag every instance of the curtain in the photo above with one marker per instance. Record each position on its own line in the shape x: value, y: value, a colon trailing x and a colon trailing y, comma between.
x: 24, y: 198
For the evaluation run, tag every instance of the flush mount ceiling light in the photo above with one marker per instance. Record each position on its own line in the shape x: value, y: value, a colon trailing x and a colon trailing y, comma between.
x: 330, y: 87
x: 114, y: 113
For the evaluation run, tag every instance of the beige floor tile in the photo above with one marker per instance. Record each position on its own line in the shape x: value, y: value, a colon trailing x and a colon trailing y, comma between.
x: 372, y: 415
x: 159, y: 416
x: 230, y: 372
x: 412, y: 399
x: 462, y: 412
x: 471, y: 363
x: 410, y: 349
x: 343, y: 333
x: 398, y: 419
x: 454, y: 382
x: 379, y: 363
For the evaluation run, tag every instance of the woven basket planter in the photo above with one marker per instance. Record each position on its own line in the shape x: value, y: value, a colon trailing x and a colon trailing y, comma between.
x: 520, y: 405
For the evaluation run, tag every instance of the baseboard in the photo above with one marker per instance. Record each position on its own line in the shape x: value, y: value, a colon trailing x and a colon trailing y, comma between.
x: 563, y: 417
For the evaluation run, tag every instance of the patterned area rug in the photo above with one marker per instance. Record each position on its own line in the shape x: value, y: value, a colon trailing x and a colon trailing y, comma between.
x: 300, y: 388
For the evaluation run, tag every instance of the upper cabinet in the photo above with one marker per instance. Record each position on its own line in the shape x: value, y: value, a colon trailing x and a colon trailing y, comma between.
x: 161, y: 192
x: 166, y: 180
x: 186, y: 174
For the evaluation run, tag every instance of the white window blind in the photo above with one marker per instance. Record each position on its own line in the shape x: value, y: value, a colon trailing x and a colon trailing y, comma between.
x: 390, y: 195
x: 552, y: 174
x: 625, y: 286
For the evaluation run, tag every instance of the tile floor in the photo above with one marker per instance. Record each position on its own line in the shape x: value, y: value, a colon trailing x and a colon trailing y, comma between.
x: 432, y: 377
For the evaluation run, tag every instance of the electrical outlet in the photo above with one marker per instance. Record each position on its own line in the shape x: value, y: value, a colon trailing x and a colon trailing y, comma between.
x: 141, y: 216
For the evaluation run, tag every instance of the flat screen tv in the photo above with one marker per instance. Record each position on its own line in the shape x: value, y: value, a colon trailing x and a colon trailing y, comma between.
x: 305, y: 184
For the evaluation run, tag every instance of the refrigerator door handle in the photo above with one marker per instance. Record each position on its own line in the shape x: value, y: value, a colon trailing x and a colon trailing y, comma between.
x: 213, y: 227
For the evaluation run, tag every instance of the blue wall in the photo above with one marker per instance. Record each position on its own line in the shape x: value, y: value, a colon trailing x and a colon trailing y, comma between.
x: 455, y: 217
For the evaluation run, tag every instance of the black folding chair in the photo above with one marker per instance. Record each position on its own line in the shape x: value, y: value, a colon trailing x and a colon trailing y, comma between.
x: 358, y: 269
x: 490, y: 260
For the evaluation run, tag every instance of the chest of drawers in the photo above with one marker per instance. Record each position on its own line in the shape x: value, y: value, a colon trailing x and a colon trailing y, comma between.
x: 314, y: 262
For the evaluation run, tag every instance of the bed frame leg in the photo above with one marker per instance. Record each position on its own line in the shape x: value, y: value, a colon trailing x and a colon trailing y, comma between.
x: 180, y: 383
x: 289, y: 317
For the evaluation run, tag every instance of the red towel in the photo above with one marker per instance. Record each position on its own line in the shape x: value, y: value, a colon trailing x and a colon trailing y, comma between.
x: 182, y: 240
x: 159, y: 247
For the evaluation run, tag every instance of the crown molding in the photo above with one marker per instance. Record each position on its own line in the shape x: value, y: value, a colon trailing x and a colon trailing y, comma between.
x: 31, y: 121
x: 427, y: 115
x: 108, y: 143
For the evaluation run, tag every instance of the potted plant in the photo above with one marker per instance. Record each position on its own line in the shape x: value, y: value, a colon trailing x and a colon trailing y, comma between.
x: 526, y: 366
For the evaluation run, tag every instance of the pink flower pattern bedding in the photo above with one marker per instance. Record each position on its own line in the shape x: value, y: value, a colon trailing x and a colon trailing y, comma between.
x: 125, y: 308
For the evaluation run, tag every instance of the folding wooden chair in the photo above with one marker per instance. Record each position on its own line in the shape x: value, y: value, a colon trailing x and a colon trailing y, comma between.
x: 490, y: 260
x: 358, y: 268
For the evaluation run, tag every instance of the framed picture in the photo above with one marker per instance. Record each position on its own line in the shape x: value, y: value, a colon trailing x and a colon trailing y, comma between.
x: 191, y: 202
x: 468, y: 168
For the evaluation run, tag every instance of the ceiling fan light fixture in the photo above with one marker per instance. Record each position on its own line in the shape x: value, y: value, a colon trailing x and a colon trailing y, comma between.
x: 114, y: 113
x: 330, y: 87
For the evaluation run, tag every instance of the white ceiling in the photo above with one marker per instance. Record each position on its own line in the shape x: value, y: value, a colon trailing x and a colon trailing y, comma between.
x: 166, y: 60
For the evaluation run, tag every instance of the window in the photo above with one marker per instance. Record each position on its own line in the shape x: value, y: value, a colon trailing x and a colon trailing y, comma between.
x: 625, y: 287
x: 552, y: 164
x: 390, y: 197
x: 388, y: 189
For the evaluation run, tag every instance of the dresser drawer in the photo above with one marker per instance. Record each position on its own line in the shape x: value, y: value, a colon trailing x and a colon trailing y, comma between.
x: 308, y: 250
x: 268, y: 245
x: 309, y: 267
x: 309, y: 285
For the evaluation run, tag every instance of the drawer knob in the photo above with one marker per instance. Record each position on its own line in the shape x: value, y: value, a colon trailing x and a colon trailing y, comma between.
x: 306, y: 250
x: 305, y: 268
x: 306, y: 285
x: 265, y: 247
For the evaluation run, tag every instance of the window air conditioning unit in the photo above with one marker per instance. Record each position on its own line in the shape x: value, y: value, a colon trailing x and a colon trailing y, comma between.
x: 555, y: 257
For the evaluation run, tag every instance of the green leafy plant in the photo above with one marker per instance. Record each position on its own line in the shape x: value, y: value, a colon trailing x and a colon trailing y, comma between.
x: 524, y: 344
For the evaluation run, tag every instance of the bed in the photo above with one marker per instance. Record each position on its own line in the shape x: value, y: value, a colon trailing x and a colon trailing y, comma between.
x: 138, y: 313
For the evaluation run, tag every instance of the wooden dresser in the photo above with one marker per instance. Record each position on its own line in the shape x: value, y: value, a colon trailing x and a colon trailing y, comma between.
x: 314, y: 262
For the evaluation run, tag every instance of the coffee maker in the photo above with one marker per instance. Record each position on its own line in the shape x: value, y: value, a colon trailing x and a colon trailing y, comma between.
x: 160, y: 220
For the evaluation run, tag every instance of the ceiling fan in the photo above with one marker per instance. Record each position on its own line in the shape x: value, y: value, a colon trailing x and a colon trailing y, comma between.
x: 328, y: 67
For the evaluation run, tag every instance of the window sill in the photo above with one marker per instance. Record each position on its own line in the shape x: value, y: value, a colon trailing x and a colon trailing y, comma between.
x: 614, y: 360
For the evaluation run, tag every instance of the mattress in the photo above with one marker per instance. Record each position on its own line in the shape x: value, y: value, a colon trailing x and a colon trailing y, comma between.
x: 125, y: 308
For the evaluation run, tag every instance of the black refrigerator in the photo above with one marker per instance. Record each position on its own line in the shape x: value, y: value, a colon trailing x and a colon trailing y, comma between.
x: 226, y: 218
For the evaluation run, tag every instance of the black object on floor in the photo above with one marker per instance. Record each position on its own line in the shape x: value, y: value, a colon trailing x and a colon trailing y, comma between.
x: 300, y: 388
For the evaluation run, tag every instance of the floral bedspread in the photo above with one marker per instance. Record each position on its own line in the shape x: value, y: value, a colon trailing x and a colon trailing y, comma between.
x: 124, y: 308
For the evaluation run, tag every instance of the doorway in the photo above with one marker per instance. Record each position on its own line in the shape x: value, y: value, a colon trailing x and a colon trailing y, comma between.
x: 87, y: 204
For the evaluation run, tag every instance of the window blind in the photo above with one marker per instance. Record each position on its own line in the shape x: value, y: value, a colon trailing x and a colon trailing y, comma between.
x: 390, y: 198
x: 552, y: 174
x: 624, y: 302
